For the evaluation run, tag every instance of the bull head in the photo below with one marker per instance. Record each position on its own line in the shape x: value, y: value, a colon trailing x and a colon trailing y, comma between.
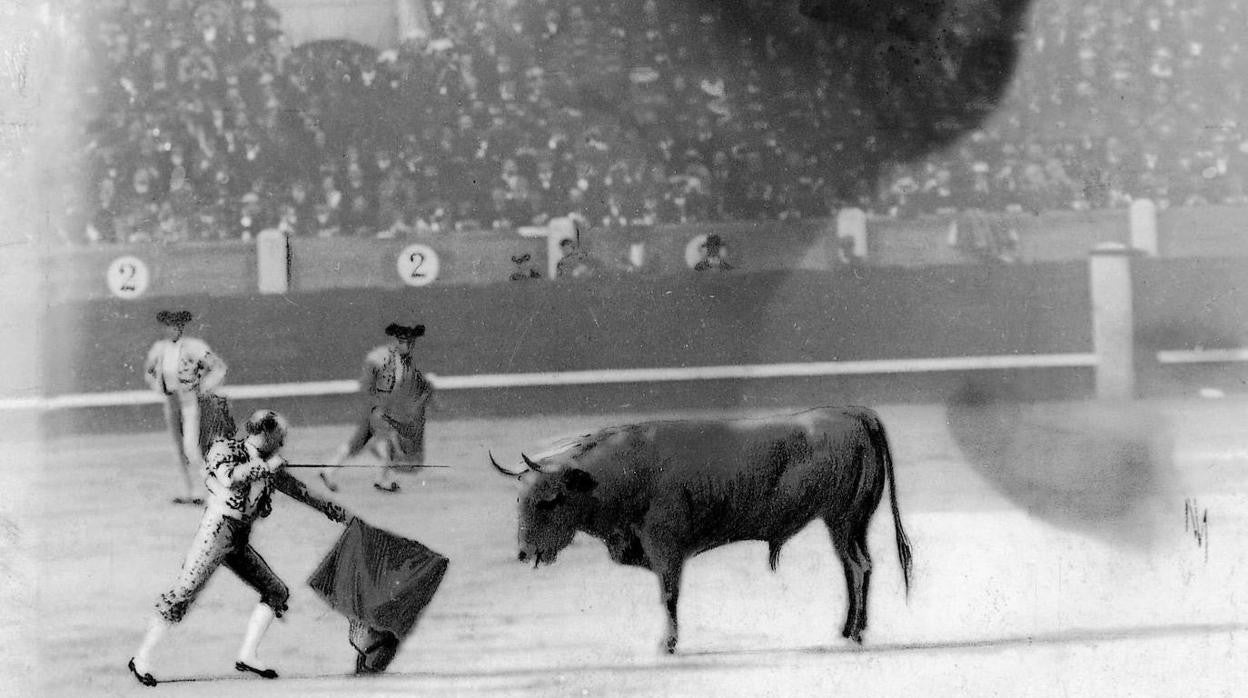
x: 553, y: 507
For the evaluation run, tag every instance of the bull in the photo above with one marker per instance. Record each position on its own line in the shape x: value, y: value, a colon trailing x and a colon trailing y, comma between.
x: 659, y: 493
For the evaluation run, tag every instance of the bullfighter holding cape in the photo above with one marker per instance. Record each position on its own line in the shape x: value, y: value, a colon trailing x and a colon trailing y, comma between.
x: 379, y: 581
x: 240, y: 475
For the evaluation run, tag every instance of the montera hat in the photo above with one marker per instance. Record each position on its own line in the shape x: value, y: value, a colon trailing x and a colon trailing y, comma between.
x: 174, y: 318
x: 403, y: 333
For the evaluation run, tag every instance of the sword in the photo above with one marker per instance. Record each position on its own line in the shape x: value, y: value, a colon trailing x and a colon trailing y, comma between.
x: 354, y: 465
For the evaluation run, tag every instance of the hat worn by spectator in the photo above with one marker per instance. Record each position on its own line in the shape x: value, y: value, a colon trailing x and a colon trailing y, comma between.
x: 174, y: 318
x: 403, y: 333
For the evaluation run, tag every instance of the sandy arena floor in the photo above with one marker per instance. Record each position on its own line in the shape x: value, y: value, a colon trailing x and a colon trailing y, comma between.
x: 1004, y: 603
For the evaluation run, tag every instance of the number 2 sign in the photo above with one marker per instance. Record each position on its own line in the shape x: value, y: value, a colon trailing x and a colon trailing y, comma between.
x: 418, y: 265
x: 128, y: 277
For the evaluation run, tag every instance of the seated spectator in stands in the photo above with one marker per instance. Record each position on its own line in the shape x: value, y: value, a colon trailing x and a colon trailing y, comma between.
x: 525, y: 268
x: 396, y: 227
x: 576, y: 263
x: 327, y: 221
x: 713, y: 258
x: 251, y: 218
x: 304, y: 210
x: 288, y: 220
x: 100, y: 228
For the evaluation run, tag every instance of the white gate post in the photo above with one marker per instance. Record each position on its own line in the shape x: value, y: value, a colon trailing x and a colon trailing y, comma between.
x: 852, y: 223
x: 273, y: 261
x: 1113, y: 321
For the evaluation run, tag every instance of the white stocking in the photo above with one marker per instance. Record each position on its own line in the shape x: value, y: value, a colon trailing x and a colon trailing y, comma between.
x: 256, y: 626
x: 155, y: 633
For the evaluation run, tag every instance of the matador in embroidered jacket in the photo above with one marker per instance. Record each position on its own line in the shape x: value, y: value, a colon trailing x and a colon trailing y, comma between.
x: 240, y: 475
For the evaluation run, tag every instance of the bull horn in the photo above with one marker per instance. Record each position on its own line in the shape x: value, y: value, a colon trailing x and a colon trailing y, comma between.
x: 500, y: 468
x: 529, y: 462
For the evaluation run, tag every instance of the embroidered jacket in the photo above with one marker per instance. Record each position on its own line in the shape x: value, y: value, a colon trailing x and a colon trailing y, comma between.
x: 398, y: 387
x: 240, y: 483
x: 187, y: 365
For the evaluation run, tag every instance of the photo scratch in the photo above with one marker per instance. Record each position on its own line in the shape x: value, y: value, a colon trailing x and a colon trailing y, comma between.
x: 1196, y: 521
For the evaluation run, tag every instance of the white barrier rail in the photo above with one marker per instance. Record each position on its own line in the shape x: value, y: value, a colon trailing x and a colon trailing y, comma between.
x: 1202, y: 356
x: 594, y: 377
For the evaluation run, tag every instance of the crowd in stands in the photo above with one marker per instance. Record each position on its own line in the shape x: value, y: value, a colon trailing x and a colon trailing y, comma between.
x: 1114, y: 101
x: 203, y: 123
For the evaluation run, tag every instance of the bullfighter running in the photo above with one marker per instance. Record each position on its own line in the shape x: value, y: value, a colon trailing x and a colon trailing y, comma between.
x: 397, y: 395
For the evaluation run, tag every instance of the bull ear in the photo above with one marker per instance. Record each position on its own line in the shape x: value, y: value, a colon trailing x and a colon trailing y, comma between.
x: 577, y: 480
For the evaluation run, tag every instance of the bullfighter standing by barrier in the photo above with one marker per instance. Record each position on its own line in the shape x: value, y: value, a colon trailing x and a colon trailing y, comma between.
x: 185, y: 371
x: 240, y: 475
x: 398, y: 395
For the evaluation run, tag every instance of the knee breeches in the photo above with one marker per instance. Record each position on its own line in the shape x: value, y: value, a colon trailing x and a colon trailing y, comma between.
x: 222, y: 541
x: 182, y: 416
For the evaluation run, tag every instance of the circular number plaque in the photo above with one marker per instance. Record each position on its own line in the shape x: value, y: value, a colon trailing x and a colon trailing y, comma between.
x: 128, y: 277
x: 418, y: 265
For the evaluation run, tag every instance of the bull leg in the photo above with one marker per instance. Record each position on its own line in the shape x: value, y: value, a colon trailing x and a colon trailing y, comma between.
x: 862, y: 559
x: 855, y: 578
x: 669, y: 587
x: 851, y: 596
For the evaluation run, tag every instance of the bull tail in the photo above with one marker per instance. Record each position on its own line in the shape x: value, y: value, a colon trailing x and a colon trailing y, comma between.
x: 879, y: 442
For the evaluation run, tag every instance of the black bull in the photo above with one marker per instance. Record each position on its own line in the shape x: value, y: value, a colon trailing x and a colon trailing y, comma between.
x: 659, y: 493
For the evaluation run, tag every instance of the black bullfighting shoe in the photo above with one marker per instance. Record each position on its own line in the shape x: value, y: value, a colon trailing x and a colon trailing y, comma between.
x: 145, y: 678
x: 392, y: 487
x: 262, y: 673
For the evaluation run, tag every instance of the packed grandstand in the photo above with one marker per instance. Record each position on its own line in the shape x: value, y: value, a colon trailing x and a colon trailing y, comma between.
x: 202, y: 122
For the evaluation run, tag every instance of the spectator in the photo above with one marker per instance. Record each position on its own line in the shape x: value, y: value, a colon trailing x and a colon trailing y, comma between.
x: 713, y: 257
x: 575, y: 263
x: 525, y: 268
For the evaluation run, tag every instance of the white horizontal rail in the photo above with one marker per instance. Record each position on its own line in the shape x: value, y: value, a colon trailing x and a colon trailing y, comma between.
x: 593, y: 377
x: 1202, y: 356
